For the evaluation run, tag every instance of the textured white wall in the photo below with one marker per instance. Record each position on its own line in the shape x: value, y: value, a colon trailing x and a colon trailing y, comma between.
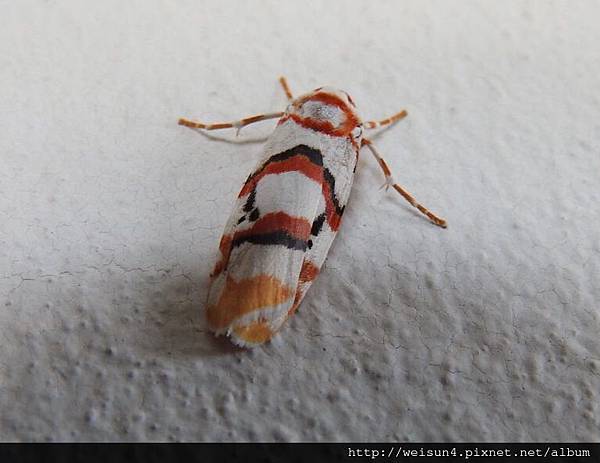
x: 110, y: 217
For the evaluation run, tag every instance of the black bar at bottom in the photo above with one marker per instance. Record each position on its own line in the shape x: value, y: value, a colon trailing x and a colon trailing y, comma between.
x: 302, y: 452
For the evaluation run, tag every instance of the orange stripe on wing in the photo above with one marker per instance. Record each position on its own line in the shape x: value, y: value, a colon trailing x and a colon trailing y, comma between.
x: 260, y: 331
x: 254, y: 333
x: 294, y: 164
x: 296, y: 227
x: 334, y: 216
x: 239, y: 298
x: 308, y: 273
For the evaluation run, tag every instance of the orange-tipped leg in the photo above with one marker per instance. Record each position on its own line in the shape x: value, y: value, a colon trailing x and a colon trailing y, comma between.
x: 390, y: 120
x: 228, y: 125
x: 389, y: 181
x: 286, y: 88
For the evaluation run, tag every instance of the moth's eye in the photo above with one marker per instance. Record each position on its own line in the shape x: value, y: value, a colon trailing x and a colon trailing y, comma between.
x: 357, y: 132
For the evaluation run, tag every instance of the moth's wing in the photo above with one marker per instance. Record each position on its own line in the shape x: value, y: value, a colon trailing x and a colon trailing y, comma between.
x: 263, y: 248
x: 339, y: 166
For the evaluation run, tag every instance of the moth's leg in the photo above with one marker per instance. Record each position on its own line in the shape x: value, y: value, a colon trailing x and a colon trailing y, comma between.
x: 375, y: 124
x: 286, y: 88
x: 389, y: 181
x: 227, y: 125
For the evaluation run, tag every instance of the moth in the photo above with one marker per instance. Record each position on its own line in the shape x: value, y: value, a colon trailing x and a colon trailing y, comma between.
x: 288, y: 212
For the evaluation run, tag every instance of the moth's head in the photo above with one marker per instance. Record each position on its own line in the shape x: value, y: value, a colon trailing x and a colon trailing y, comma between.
x: 326, y: 110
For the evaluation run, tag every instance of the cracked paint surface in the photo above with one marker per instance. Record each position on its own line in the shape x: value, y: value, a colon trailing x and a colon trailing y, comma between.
x: 111, y: 216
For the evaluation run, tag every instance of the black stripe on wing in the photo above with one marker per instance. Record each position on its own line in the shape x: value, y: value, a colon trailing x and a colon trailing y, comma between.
x: 278, y: 237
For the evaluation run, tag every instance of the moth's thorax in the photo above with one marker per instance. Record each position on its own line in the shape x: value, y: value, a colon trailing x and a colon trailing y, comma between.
x: 325, y: 110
